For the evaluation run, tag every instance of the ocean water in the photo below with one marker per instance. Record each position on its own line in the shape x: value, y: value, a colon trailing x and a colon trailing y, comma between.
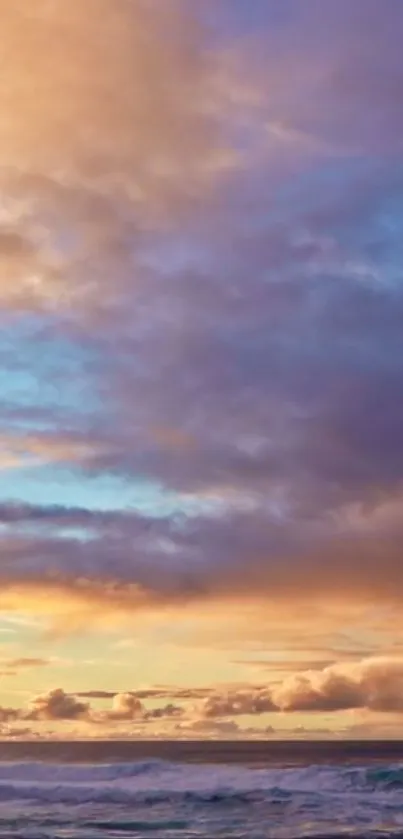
x: 195, y: 790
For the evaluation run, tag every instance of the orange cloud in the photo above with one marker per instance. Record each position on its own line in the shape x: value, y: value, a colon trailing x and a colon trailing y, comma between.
x: 126, y: 706
x: 115, y: 105
x: 375, y: 684
x: 69, y: 607
x: 64, y: 606
x: 37, y: 449
x: 106, y: 89
x: 239, y: 702
x: 56, y: 705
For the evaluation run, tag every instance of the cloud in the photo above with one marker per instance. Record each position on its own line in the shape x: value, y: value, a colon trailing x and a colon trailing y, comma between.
x: 8, y: 714
x: 340, y: 97
x: 287, y: 665
x: 375, y: 684
x: 56, y: 705
x: 126, y: 706
x: 105, y: 134
x: 18, y: 731
x: 21, y: 663
x: 19, y: 450
x: 102, y: 110
x: 207, y: 237
x: 372, y: 687
x: 239, y: 702
x: 97, y: 694
x: 165, y: 692
x: 165, y: 712
x: 174, y: 692
x: 14, y: 666
x: 236, y: 555
x: 66, y: 606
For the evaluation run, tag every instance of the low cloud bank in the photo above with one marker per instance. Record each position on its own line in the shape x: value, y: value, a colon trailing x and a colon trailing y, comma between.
x: 57, y: 704
x: 374, y: 683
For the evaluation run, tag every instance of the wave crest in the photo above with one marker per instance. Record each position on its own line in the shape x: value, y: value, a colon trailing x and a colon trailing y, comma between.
x: 155, y: 781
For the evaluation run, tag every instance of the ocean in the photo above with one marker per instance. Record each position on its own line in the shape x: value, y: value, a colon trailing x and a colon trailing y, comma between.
x: 201, y: 790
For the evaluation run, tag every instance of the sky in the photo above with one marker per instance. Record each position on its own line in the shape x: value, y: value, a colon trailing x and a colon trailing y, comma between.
x: 201, y: 367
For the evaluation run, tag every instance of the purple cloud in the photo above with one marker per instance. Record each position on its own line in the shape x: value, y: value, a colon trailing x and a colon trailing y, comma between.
x: 227, y: 286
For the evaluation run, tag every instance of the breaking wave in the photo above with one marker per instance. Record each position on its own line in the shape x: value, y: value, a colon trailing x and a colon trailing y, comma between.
x: 152, y: 781
x: 165, y: 799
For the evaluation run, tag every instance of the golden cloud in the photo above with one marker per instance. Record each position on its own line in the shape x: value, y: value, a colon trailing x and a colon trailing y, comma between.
x: 111, y: 115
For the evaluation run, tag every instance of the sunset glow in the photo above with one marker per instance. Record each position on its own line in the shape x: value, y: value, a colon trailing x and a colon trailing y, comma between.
x: 201, y: 375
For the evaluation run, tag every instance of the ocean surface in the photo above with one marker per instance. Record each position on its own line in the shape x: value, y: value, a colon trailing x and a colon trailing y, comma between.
x: 195, y: 790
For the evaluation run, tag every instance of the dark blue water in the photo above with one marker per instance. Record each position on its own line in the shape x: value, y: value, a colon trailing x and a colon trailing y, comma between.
x: 251, y: 790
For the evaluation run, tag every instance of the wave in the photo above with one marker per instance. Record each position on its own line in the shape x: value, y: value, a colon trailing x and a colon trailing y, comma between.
x: 385, y: 778
x: 80, y: 772
x: 155, y: 781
